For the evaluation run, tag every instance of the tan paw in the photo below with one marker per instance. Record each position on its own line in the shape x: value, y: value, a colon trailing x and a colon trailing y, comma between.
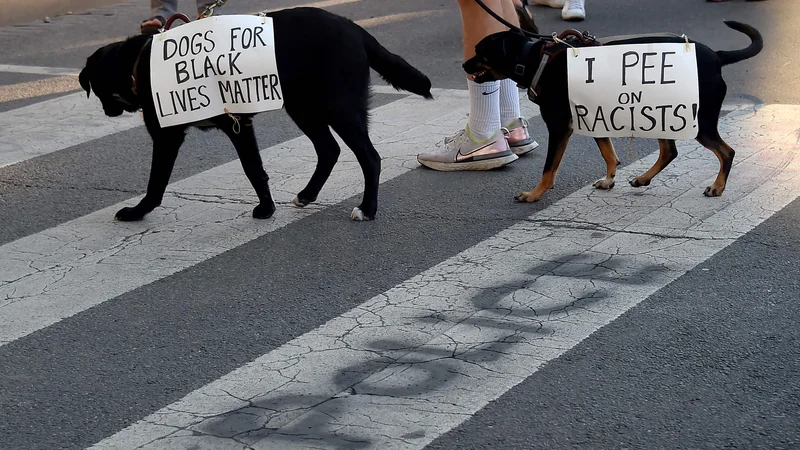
x: 713, y: 191
x: 604, y: 183
x: 527, y: 197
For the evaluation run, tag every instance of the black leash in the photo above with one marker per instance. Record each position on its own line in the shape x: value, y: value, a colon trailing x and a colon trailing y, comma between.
x: 509, y: 25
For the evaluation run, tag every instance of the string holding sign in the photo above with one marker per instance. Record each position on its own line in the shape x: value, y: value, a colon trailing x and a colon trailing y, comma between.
x: 575, y: 51
x: 236, y: 126
x: 687, y: 44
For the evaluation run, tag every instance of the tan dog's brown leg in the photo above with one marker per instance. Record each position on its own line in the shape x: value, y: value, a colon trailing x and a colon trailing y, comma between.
x: 725, y: 155
x: 556, y: 145
x: 666, y: 153
x: 610, y: 156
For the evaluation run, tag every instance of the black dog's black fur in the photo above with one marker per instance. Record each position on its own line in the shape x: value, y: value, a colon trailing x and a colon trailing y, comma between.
x: 498, y: 55
x: 323, y: 63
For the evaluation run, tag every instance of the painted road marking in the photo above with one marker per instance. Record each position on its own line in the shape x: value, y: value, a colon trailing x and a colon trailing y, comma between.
x: 63, y: 122
x: 37, y: 70
x: 414, y: 362
x: 54, y: 125
x: 38, y: 88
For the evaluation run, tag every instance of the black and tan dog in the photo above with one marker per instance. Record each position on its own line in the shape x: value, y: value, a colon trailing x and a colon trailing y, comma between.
x: 324, y: 65
x: 511, y: 55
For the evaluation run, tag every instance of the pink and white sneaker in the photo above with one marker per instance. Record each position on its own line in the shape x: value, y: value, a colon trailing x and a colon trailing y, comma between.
x: 519, y: 140
x: 462, y: 152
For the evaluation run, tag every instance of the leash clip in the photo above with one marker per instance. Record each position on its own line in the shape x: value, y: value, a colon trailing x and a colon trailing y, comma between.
x: 209, y: 11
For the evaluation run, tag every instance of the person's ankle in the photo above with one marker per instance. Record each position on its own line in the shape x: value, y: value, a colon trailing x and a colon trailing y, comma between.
x: 479, y: 135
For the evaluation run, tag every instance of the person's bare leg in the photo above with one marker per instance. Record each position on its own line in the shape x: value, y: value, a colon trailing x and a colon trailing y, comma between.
x: 477, y: 23
x: 484, y: 108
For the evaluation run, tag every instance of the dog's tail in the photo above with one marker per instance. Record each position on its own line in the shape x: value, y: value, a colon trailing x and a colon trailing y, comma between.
x: 394, y: 69
x: 756, y: 44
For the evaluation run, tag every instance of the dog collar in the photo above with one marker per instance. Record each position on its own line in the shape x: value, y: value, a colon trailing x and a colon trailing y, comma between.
x: 525, y: 57
x: 135, y: 69
x: 134, y: 87
x: 539, y: 70
x: 551, y: 49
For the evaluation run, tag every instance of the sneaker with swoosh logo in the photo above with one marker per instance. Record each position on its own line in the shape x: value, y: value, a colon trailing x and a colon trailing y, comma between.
x: 462, y: 152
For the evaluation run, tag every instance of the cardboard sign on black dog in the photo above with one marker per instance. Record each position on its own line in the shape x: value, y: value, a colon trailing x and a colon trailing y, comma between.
x: 203, y: 68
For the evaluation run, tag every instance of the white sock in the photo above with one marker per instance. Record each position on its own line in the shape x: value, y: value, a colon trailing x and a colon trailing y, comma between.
x: 484, y: 109
x: 509, y: 101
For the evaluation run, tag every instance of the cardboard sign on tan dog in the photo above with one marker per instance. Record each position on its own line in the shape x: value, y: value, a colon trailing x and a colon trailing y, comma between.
x: 635, y: 90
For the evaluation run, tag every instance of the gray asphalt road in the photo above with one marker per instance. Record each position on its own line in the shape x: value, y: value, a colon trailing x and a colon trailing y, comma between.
x: 707, y: 361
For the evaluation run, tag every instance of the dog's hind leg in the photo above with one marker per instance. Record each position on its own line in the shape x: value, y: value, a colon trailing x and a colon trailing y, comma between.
x: 166, y: 144
x: 353, y: 131
x: 612, y: 161
x: 712, y: 94
x: 247, y: 148
x: 725, y: 154
x: 667, y: 151
x: 557, y: 140
x: 327, y: 150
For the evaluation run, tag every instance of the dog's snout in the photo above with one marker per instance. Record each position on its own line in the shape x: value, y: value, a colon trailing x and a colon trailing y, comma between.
x: 470, y: 65
x: 113, y: 112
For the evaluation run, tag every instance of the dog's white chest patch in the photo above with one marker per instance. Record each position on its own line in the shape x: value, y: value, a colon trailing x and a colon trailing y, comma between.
x: 641, y: 90
x: 212, y: 66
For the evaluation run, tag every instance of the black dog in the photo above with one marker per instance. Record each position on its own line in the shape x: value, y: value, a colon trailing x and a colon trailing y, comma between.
x: 511, y: 55
x: 324, y: 65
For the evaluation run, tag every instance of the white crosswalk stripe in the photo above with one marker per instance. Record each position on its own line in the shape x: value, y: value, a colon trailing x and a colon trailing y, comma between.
x: 54, y: 125
x: 410, y: 364
x: 59, y: 272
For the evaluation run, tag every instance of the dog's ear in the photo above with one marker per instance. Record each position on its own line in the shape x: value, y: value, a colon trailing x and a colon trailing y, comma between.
x: 83, y: 79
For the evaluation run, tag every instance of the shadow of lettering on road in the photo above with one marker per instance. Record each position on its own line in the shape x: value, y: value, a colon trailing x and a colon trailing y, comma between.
x: 400, y: 373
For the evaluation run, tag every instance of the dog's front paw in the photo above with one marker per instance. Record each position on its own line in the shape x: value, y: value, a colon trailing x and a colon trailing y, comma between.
x: 302, y: 200
x: 604, y: 183
x: 527, y: 197
x: 713, y: 191
x: 639, y: 182
x: 264, y: 211
x: 129, y: 214
x: 300, y: 203
x: 359, y: 216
